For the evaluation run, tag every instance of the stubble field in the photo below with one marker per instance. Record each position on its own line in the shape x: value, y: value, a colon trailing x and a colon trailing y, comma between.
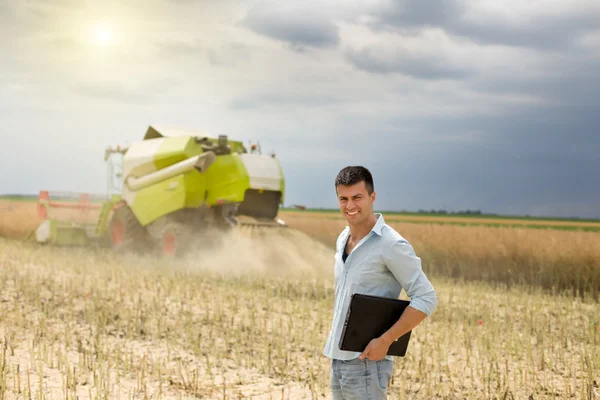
x: 249, y: 320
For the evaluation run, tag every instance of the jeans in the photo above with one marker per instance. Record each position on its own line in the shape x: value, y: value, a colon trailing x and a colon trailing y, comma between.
x: 360, y: 380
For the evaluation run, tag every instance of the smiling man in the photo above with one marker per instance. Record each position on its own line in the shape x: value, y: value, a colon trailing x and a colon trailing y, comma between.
x: 371, y: 258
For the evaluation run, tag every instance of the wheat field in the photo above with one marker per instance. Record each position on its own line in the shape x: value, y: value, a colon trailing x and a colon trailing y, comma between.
x: 558, y: 261
x: 555, y: 260
x: 249, y: 319
x: 459, y: 219
x: 88, y: 324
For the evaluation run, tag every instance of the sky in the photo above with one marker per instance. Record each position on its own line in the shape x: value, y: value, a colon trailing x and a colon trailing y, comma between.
x: 460, y: 104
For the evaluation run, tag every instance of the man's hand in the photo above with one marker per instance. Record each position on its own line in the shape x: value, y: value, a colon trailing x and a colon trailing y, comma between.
x: 376, y: 349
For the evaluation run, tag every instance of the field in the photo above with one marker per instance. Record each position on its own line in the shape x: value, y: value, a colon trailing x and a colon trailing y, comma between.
x: 469, y: 220
x: 555, y: 260
x: 88, y: 323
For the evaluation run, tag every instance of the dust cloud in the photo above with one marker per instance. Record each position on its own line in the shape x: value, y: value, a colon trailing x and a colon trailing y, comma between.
x: 272, y: 251
x: 269, y: 251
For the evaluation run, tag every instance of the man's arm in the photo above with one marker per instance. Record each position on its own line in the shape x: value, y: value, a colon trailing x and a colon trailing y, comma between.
x: 377, y: 348
x: 403, y: 263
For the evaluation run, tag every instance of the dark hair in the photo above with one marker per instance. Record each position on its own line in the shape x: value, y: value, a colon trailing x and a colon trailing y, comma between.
x: 352, y: 175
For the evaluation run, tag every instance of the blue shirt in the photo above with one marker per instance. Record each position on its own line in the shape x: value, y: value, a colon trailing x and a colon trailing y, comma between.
x: 381, y: 264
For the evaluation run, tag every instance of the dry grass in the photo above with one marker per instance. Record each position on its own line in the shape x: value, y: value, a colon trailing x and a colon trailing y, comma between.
x: 556, y: 260
x: 85, y: 324
x: 473, y: 220
x: 251, y: 323
x: 17, y: 218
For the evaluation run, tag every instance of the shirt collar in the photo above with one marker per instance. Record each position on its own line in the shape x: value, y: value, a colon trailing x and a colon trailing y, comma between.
x: 379, y: 224
x: 377, y: 228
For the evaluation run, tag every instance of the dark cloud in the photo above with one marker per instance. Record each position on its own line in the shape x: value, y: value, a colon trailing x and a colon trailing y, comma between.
x: 548, y: 33
x: 298, y: 27
x: 418, y: 66
x: 519, y: 164
x: 420, y: 13
x: 537, y: 157
x: 457, y: 17
x: 573, y: 80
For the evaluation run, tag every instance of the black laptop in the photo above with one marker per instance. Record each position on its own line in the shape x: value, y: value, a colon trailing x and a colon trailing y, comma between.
x: 369, y: 317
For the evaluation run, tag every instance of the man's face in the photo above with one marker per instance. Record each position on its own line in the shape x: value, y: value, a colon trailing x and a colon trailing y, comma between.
x: 355, y: 202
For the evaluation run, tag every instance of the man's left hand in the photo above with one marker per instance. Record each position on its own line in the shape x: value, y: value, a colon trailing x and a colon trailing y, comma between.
x: 376, y: 350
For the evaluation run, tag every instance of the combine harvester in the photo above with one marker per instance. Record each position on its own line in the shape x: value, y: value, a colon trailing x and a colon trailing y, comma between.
x: 169, y: 188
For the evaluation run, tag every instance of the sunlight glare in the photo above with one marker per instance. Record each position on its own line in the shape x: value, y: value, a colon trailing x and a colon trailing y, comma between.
x: 102, y: 35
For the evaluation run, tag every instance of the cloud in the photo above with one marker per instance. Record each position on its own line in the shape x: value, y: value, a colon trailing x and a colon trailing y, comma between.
x: 122, y: 92
x: 570, y: 79
x: 282, y: 100
x: 299, y: 26
x: 429, y: 55
x: 418, y: 66
x: 420, y: 13
x: 513, y: 164
x: 512, y: 23
x: 61, y: 43
x: 56, y: 3
x: 178, y: 48
x: 47, y: 8
x: 227, y: 55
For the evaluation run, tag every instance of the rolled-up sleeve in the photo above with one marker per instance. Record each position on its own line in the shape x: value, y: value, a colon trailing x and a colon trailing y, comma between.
x: 404, y: 264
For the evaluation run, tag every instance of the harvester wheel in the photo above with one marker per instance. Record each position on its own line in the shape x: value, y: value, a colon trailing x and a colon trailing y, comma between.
x: 125, y: 231
x: 174, y: 238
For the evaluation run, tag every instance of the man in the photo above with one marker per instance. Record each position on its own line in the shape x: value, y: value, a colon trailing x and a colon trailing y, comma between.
x: 371, y: 258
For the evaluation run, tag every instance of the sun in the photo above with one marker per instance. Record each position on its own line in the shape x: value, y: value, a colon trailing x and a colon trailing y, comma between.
x: 102, y: 35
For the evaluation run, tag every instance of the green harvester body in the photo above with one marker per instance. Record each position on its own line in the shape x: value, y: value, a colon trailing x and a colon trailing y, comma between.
x: 175, y: 183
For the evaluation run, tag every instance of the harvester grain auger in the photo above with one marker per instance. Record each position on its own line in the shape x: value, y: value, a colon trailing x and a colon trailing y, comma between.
x: 172, y: 187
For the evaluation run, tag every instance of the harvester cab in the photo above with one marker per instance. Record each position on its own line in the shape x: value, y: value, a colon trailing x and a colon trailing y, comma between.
x: 113, y: 156
x: 174, y: 186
